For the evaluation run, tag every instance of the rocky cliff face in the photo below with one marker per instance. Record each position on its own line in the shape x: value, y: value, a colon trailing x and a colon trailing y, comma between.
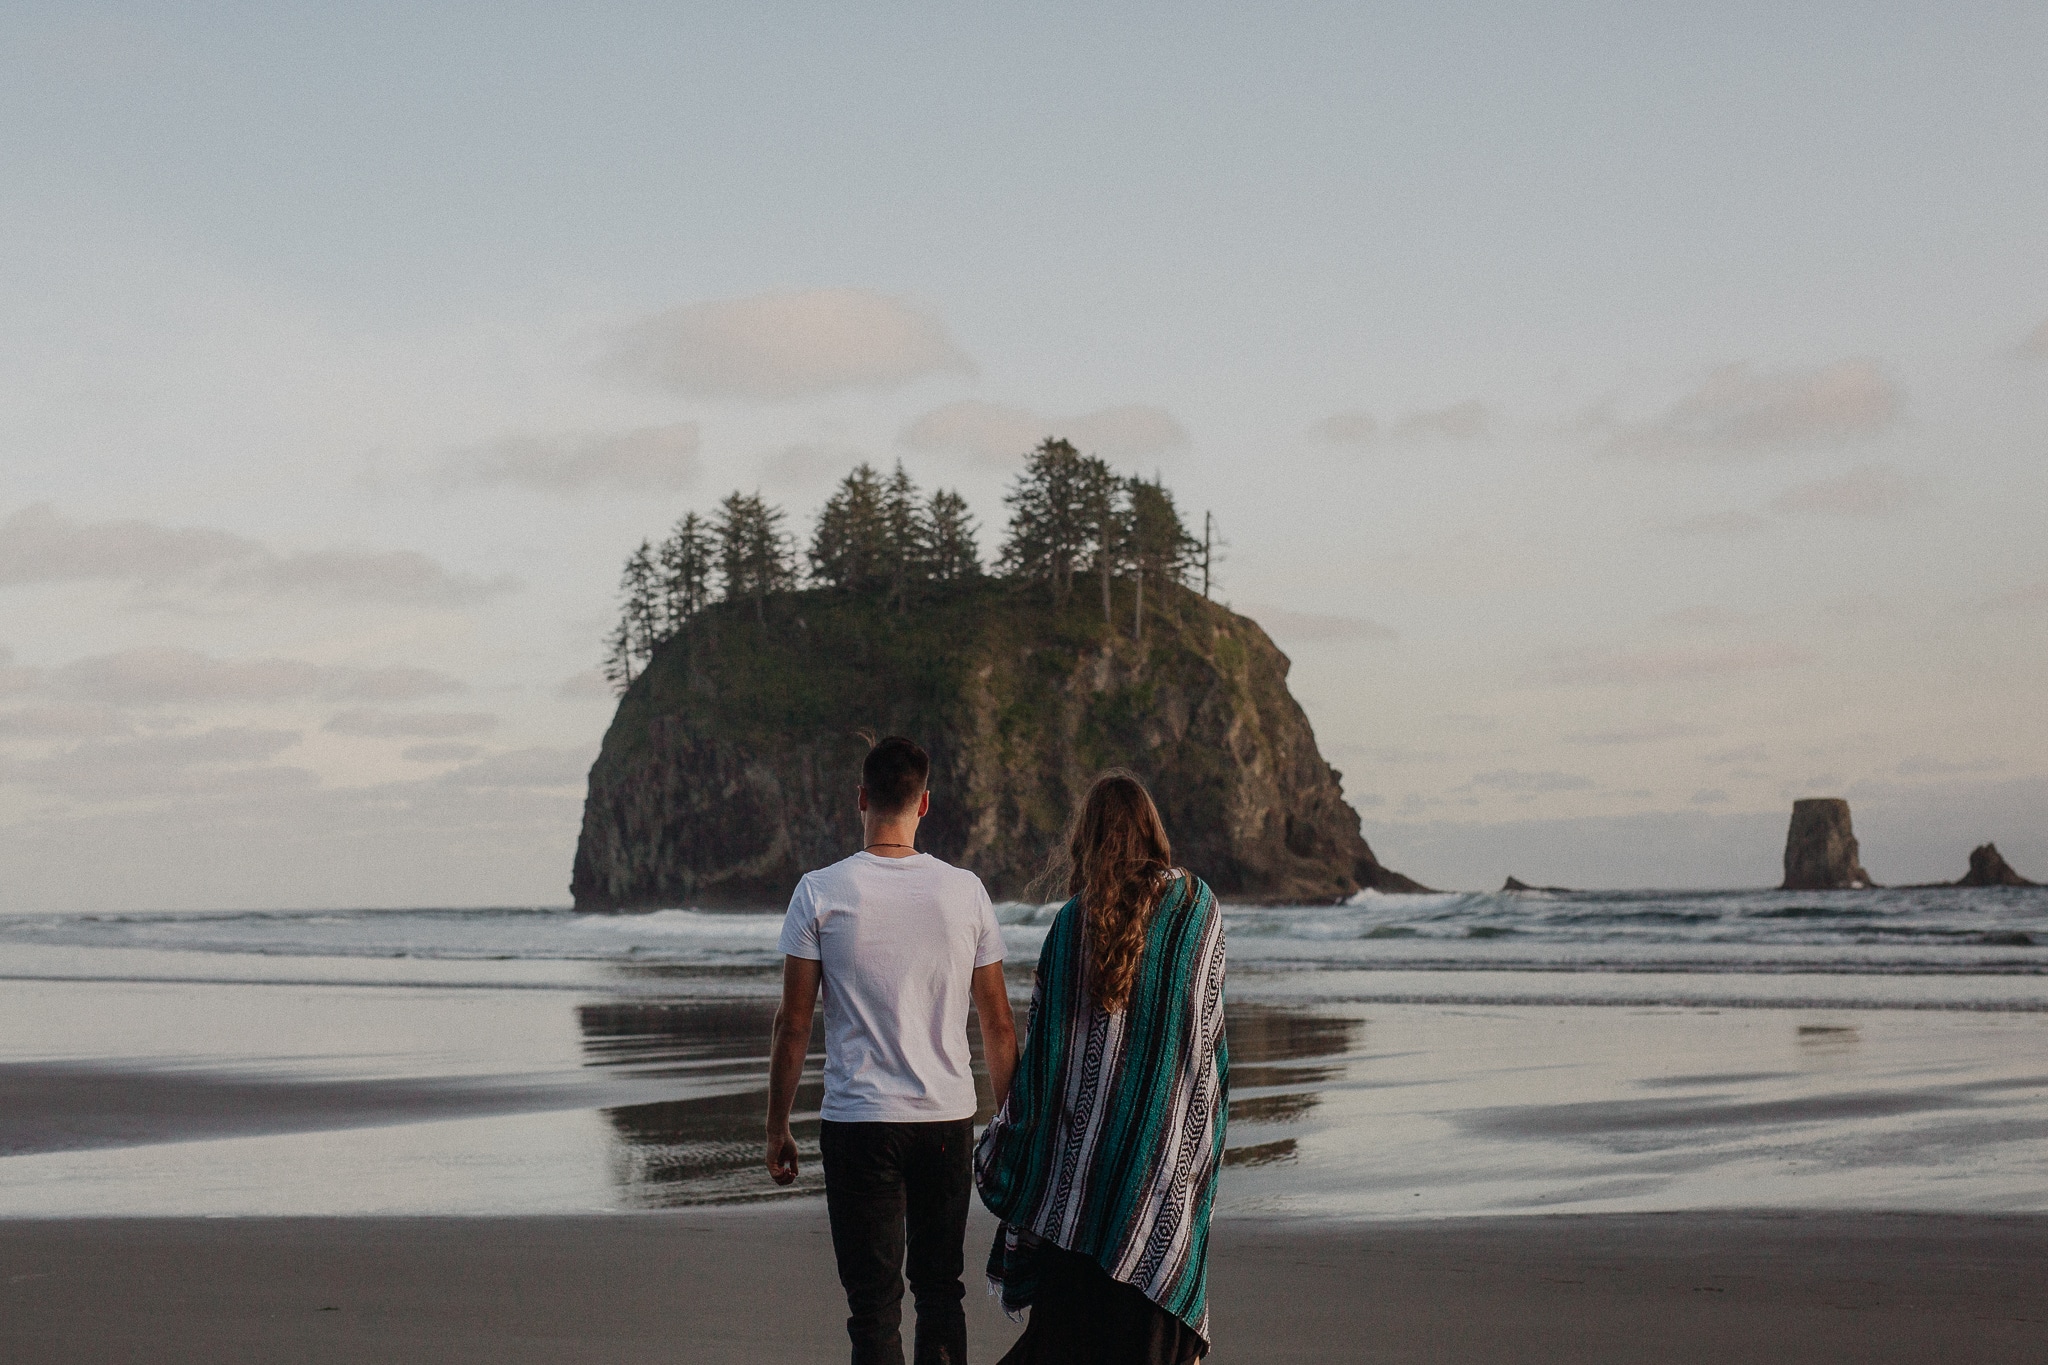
x: 731, y: 765
x: 1820, y: 848
x: 1988, y: 867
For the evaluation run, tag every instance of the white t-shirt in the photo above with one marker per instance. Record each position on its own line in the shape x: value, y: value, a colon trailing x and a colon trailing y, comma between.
x: 899, y: 939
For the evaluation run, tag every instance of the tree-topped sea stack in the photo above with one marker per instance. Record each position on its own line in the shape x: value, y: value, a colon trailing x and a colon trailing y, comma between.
x: 730, y: 767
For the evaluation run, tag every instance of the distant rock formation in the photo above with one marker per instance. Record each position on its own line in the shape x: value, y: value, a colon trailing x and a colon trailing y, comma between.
x: 1517, y: 884
x: 1820, y: 848
x: 1989, y: 868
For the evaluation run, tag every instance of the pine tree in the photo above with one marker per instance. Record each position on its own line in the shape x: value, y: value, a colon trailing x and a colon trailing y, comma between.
x: 632, y: 642
x: 618, y: 658
x: 686, y: 560
x: 903, y: 530
x: 1049, y: 518
x: 952, y: 554
x: 1158, y: 547
x: 754, y: 556
x: 1209, y: 554
x: 849, y: 546
x: 1102, y: 496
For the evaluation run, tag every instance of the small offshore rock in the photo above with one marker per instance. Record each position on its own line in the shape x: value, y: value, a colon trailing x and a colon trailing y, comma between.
x: 1989, y: 868
x: 1820, y: 848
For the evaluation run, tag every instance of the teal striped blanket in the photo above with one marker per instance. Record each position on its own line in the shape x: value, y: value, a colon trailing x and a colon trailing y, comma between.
x: 1111, y: 1137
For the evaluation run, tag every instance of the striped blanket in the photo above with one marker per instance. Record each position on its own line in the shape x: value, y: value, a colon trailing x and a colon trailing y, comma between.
x: 1110, y: 1140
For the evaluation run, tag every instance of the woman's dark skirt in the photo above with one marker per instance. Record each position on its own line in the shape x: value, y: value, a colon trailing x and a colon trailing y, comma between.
x: 1081, y: 1316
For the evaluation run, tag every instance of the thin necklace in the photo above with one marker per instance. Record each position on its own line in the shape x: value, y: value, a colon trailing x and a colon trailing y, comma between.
x: 881, y: 844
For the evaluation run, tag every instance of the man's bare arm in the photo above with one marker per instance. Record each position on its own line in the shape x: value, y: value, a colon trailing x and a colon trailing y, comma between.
x: 998, y: 1030
x: 788, y: 1046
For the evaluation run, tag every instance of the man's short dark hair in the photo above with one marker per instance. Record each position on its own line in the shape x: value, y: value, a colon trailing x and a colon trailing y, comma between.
x: 894, y: 773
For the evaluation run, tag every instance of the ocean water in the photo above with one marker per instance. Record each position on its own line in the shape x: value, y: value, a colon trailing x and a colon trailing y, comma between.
x: 1939, y: 931
x: 1397, y: 1056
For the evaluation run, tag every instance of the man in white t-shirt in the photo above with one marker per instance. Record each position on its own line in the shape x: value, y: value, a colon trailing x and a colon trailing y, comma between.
x: 900, y: 944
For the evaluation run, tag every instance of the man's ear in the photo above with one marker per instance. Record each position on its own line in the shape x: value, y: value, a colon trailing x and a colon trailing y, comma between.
x: 862, y: 799
x: 924, y: 803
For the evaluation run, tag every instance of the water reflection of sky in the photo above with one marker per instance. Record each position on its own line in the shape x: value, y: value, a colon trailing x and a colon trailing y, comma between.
x: 502, y: 1100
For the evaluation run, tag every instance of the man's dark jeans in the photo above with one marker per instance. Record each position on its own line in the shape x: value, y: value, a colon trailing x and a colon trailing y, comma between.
x: 888, y: 1184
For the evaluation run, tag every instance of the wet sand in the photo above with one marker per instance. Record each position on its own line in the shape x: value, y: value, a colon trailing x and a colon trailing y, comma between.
x: 260, y: 1101
x: 59, y: 1107
x: 716, y: 1286
x: 526, y: 1108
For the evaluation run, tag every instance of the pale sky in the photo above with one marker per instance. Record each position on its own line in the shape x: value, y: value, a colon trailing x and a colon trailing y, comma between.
x: 1628, y: 419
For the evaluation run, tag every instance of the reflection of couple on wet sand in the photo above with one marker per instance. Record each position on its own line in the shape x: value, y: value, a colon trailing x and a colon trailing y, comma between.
x: 1101, y: 1159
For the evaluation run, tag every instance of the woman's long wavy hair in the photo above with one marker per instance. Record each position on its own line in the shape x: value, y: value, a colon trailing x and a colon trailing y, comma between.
x: 1118, y: 860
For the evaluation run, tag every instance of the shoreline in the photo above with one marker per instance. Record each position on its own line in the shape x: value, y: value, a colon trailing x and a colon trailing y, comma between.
x: 719, y: 1285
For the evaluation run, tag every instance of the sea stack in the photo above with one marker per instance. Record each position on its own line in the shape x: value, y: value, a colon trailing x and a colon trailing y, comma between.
x: 1989, y: 868
x: 1820, y: 848
x: 730, y: 767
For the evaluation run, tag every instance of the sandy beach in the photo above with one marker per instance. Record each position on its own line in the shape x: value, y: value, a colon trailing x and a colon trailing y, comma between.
x: 757, y: 1286
x: 449, y: 1138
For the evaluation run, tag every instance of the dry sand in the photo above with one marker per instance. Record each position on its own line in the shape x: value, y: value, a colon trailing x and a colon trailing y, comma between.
x: 757, y: 1286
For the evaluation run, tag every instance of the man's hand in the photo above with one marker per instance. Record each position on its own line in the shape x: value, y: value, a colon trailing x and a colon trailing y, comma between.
x: 782, y: 1156
x: 786, y: 1049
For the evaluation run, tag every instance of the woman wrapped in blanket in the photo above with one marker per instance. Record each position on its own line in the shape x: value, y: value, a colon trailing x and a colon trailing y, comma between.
x: 1102, y: 1162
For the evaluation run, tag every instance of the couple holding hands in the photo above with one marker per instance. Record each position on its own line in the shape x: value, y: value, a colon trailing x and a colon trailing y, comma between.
x: 1101, y: 1159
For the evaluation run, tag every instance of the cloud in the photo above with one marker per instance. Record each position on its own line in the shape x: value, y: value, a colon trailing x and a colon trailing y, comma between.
x: 63, y: 721
x: 410, y: 724
x: 1459, y: 422
x: 994, y: 431
x: 17, y: 678
x: 538, y: 767
x: 659, y: 459
x: 1739, y: 411
x: 773, y: 347
x: 1702, y: 617
x: 402, y: 576
x: 153, y: 676
x: 1653, y: 733
x: 1675, y: 665
x: 1926, y: 765
x: 1517, y: 782
x: 1312, y: 627
x: 1710, y: 796
x: 1390, y: 754
x: 38, y: 544
x: 2026, y: 598
x: 1730, y: 525
x: 1347, y: 429
x: 210, y: 760
x: 1860, y: 606
x: 1866, y: 491
x: 2035, y: 347
x: 441, y: 753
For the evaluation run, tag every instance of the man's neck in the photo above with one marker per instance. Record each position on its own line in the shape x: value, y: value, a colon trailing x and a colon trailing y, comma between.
x: 891, y: 839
